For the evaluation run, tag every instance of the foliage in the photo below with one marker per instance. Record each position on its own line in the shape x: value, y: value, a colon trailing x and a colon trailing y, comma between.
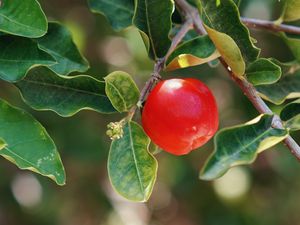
x: 41, y: 59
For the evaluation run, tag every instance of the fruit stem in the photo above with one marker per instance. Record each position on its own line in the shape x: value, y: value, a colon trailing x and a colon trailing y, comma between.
x: 248, y: 89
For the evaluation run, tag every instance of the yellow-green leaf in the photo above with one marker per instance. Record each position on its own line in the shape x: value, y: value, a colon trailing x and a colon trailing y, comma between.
x: 131, y: 168
x: 121, y: 90
x: 230, y: 36
x: 194, y: 52
x: 291, y: 10
x: 229, y: 50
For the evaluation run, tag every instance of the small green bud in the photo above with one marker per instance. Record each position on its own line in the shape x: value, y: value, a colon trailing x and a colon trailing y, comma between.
x: 115, y: 130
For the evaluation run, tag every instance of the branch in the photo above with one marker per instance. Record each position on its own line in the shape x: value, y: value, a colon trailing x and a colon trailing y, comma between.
x: 244, y: 85
x: 189, y: 11
x: 159, y: 66
x: 270, y: 25
x: 192, y: 14
x: 262, y: 108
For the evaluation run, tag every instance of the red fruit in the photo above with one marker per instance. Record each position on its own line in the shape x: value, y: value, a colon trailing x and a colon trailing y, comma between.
x: 180, y: 115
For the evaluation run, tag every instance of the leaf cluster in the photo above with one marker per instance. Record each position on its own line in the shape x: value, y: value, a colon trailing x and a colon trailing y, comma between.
x: 40, y: 58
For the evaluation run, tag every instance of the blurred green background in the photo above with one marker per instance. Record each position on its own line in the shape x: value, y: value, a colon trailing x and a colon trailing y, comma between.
x: 265, y: 193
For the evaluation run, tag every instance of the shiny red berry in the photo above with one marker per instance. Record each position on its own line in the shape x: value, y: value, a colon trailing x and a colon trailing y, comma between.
x: 180, y: 115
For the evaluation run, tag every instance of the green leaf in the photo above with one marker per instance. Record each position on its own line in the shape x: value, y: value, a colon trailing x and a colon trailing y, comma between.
x: 191, y: 53
x: 290, y: 110
x: 28, y: 145
x: 58, y: 42
x: 263, y: 71
x: 287, y: 67
x: 153, y: 18
x: 240, y: 145
x: 230, y: 36
x: 291, y: 10
x: 18, y: 55
x: 121, y: 90
x: 22, y: 18
x: 42, y: 89
x: 118, y: 12
x: 131, y: 168
x: 290, y: 114
x: 293, y: 42
x: 286, y: 88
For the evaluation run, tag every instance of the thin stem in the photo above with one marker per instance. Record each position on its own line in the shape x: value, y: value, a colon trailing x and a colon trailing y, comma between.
x: 159, y: 66
x: 270, y: 25
x: 245, y: 86
x: 190, y: 11
x: 192, y: 14
x: 160, y: 63
x: 178, y: 37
